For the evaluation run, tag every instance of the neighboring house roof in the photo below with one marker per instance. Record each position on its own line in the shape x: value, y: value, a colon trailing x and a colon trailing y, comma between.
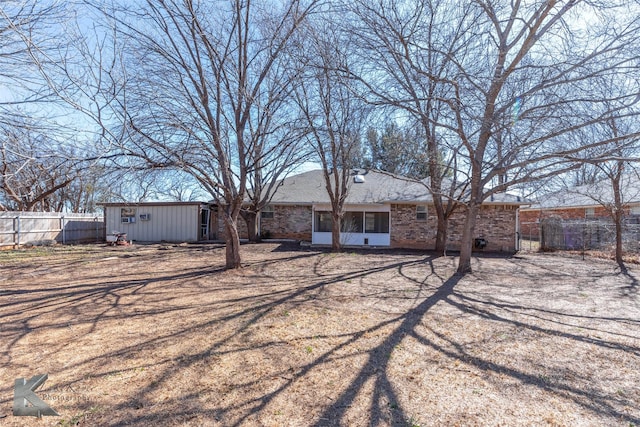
x: 377, y: 188
x: 111, y: 204
x: 590, y: 195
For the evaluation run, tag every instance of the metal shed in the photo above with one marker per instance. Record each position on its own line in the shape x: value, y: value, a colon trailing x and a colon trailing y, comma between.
x: 160, y: 221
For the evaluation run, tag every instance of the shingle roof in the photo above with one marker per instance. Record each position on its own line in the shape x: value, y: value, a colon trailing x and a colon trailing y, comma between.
x: 309, y: 187
x: 591, y: 195
x: 378, y: 187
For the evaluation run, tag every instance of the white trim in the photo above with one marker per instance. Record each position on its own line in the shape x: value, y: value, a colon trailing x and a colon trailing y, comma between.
x: 355, y: 207
x: 517, y: 245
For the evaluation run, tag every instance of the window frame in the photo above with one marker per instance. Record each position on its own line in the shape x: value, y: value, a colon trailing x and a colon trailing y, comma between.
x: 355, y: 218
x: 318, y: 220
x: 268, y: 212
x: 422, y: 213
x: 384, y: 223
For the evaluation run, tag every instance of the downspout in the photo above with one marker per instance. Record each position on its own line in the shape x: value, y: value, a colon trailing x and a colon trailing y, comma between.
x: 517, y: 229
x: 259, y: 230
x: 313, y: 222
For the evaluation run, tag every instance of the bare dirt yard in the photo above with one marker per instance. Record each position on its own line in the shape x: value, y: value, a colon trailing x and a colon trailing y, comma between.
x: 161, y: 335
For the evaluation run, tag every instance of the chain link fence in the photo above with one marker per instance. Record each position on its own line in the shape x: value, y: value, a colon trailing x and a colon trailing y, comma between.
x: 596, y: 234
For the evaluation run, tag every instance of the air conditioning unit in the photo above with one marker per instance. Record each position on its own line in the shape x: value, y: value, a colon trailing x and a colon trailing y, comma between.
x: 125, y: 219
x: 145, y: 217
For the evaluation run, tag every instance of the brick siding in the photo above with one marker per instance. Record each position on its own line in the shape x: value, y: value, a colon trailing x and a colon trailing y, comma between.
x: 288, y: 222
x: 216, y: 231
x: 408, y: 232
x: 496, y: 224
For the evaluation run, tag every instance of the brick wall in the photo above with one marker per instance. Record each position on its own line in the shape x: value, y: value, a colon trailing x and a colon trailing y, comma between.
x: 216, y: 228
x: 407, y: 232
x: 496, y: 224
x: 289, y: 222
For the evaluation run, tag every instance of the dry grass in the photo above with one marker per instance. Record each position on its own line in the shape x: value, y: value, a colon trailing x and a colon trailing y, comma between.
x: 156, y: 335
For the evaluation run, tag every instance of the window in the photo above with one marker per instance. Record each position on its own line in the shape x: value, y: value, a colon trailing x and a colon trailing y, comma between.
x: 635, y: 210
x: 376, y: 222
x: 590, y: 212
x: 323, y: 222
x: 267, y: 212
x: 351, y: 222
x: 127, y: 215
x: 421, y: 213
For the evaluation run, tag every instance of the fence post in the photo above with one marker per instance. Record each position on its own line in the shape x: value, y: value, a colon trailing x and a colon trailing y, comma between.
x: 16, y: 230
x: 584, y: 239
x: 64, y: 236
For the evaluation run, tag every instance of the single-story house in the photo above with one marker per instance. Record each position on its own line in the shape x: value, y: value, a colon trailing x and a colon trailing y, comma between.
x: 581, y: 202
x: 160, y: 221
x: 382, y: 210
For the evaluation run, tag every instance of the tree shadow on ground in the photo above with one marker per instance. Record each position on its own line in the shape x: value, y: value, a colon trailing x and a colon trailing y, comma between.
x: 631, y: 290
x: 384, y: 399
x: 292, y: 298
x: 385, y: 406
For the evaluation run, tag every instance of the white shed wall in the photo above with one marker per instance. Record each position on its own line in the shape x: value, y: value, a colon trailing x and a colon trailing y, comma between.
x: 177, y: 223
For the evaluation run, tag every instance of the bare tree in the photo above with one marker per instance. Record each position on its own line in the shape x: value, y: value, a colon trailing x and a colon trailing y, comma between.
x: 617, y: 164
x: 507, y: 84
x: 539, y: 51
x: 38, y: 158
x: 334, y: 113
x: 22, y: 26
x: 615, y: 173
x: 33, y: 168
x: 276, y: 142
x: 411, y: 48
x: 196, y: 76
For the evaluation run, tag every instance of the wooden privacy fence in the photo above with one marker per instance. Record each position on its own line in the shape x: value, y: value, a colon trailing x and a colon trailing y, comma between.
x: 19, y: 228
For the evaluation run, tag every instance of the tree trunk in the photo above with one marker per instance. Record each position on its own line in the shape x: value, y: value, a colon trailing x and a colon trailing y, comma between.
x: 253, y: 229
x: 435, y: 177
x: 441, y: 229
x: 466, y: 245
x: 335, y: 233
x: 232, y: 240
x: 619, y: 251
x: 618, y: 213
x: 441, y: 235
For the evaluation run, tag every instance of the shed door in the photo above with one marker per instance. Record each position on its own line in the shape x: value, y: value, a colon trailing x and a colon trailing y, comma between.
x: 205, y: 214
